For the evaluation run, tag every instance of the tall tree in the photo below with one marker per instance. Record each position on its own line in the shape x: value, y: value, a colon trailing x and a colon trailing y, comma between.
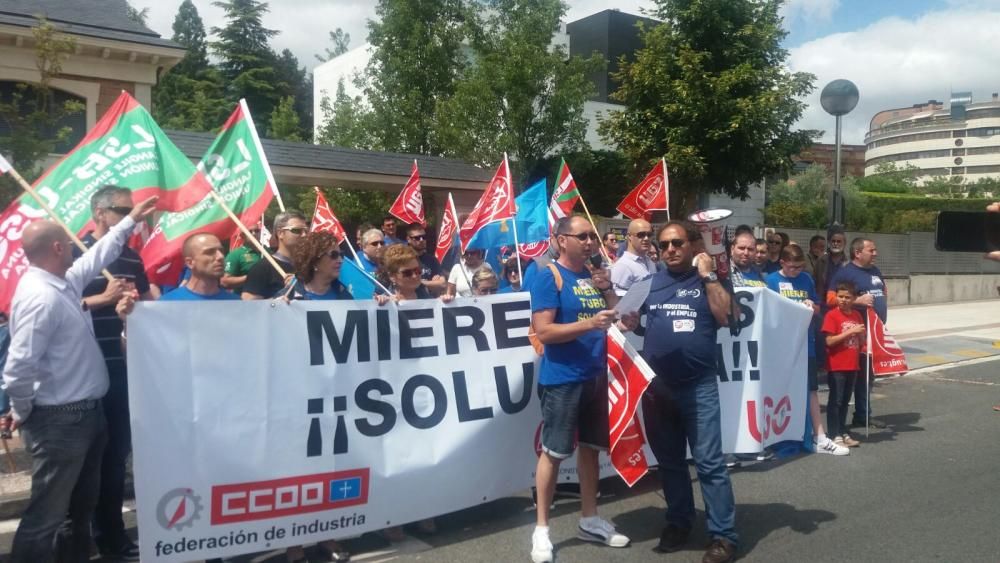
x: 345, y: 121
x: 285, y: 121
x: 709, y: 91
x: 246, y: 60
x: 298, y: 85
x: 417, y: 56
x: 32, y: 118
x: 190, y: 96
x: 138, y: 16
x: 341, y: 40
x: 524, y: 95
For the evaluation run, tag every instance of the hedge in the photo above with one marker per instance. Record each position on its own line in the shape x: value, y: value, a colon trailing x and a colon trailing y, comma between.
x: 878, y: 212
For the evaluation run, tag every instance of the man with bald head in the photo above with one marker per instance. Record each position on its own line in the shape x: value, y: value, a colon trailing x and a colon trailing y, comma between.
x: 56, y: 376
x: 635, y: 263
x: 204, y: 257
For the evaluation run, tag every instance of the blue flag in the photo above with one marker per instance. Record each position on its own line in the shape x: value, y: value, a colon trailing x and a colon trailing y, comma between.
x: 360, y: 285
x: 532, y: 221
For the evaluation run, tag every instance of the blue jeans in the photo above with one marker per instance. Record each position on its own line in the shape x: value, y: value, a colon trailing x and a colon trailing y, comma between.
x: 861, y: 407
x: 841, y: 386
x: 677, y: 415
x: 66, y: 449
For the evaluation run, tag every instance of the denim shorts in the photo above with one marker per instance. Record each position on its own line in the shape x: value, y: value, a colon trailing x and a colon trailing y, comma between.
x: 575, y: 413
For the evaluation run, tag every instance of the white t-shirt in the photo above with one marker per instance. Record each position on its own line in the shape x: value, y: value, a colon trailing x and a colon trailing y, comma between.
x: 461, y: 281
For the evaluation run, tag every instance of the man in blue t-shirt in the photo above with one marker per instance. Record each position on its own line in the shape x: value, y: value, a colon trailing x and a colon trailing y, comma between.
x: 203, y: 255
x: 793, y: 283
x: 865, y: 275
x: 742, y: 251
x: 686, y: 306
x: 570, y: 305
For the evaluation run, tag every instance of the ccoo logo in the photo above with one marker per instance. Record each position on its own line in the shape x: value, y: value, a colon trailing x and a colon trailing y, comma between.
x: 177, y: 509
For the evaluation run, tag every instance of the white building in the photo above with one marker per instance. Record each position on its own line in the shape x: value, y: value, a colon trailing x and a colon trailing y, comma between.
x: 960, y: 141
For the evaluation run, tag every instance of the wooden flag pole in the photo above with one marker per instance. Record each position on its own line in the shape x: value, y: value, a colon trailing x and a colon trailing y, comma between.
x: 246, y: 233
x: 9, y: 456
x: 604, y: 252
x: 76, y: 240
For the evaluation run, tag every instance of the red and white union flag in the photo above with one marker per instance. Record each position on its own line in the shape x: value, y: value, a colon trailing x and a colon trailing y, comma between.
x: 887, y: 356
x: 652, y: 193
x: 409, y: 205
x: 325, y: 221
x: 628, y: 377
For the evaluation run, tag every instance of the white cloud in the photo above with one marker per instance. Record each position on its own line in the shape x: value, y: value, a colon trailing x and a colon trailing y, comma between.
x: 810, y: 11
x: 897, y: 62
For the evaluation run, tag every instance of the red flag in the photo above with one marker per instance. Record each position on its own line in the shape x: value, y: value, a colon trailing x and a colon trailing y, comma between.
x: 409, y: 205
x: 496, y: 204
x: 446, y: 234
x: 628, y: 377
x: 531, y: 250
x: 324, y: 220
x: 887, y: 357
x: 652, y: 193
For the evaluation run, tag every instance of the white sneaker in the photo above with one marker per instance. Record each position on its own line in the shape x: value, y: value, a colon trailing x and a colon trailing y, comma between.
x: 541, y: 546
x: 597, y: 529
x: 829, y: 447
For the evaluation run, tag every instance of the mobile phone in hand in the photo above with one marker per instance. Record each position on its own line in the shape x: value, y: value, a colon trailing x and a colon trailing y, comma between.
x: 967, y: 231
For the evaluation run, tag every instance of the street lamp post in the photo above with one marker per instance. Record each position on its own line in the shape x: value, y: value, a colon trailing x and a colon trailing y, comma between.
x: 838, y: 99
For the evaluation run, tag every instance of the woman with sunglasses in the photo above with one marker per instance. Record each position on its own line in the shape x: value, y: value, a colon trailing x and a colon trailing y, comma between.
x: 462, y: 273
x: 512, y: 274
x: 317, y: 263
x: 485, y: 282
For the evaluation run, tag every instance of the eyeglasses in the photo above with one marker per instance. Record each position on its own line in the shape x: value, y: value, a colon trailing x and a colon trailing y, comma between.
x: 676, y: 243
x: 297, y: 231
x: 119, y: 210
x: 334, y: 255
x: 643, y: 234
x: 582, y: 237
x: 376, y: 243
x: 418, y: 237
x: 410, y: 273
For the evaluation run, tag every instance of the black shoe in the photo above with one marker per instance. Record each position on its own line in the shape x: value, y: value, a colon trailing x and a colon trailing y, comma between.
x: 672, y: 539
x: 127, y: 551
x: 719, y: 551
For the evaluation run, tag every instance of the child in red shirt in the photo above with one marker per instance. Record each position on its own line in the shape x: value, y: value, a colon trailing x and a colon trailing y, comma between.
x: 844, y: 330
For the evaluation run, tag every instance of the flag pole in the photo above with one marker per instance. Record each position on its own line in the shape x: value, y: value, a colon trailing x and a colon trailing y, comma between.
x: 246, y: 233
x: 260, y: 151
x: 517, y: 246
x: 45, y: 207
x: 362, y: 268
x: 666, y: 186
x: 868, y: 364
x: 592, y: 224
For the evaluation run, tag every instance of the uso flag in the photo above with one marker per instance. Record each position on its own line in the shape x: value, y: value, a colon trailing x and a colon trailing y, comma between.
x: 409, y: 205
x: 887, y: 357
x: 496, y: 204
x: 628, y: 377
x: 324, y: 221
x: 652, y: 194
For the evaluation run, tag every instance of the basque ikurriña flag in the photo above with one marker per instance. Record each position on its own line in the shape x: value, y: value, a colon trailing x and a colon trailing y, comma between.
x: 409, y: 205
x: 628, y: 377
x: 887, y: 357
x: 564, y: 197
x: 125, y: 148
x: 238, y: 170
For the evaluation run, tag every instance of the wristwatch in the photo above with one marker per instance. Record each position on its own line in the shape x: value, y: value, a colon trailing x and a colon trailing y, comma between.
x: 710, y: 278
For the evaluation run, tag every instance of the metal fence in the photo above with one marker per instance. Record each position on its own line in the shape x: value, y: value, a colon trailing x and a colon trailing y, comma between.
x: 899, y: 255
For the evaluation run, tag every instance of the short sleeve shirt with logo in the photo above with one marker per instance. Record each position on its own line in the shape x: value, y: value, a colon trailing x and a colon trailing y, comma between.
x: 585, y: 357
x: 239, y: 262
x: 680, y: 329
x: 798, y: 289
x: 843, y: 356
x: 866, y: 280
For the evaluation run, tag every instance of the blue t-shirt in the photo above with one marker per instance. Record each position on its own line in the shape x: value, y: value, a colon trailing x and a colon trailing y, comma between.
x: 749, y: 278
x: 366, y: 264
x: 866, y: 280
x: 680, y: 329
x: 586, y: 356
x: 799, y: 288
x: 185, y: 294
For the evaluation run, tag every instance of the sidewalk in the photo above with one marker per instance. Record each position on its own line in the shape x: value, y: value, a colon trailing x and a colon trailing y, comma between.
x: 931, y: 335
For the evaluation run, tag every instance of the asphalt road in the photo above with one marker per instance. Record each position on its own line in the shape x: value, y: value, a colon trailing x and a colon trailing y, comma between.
x: 926, y: 489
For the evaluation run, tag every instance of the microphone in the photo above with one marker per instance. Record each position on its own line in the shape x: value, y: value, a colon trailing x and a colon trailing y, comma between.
x: 596, y: 261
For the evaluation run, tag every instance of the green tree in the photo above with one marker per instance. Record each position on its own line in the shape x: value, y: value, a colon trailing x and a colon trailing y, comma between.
x: 345, y: 121
x: 522, y: 96
x: 887, y: 178
x: 340, y: 40
x: 285, y: 121
x: 709, y: 91
x: 417, y: 57
x: 190, y: 96
x: 31, y: 117
x: 352, y: 207
x: 138, y: 16
x: 299, y: 86
x: 247, y: 63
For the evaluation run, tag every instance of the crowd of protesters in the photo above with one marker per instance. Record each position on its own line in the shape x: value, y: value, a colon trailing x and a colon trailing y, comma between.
x: 66, y: 386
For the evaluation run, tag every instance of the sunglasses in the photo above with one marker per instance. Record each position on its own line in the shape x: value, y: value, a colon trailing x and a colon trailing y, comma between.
x: 119, y: 210
x: 643, y: 234
x: 376, y: 243
x: 410, y: 273
x: 418, y: 237
x: 676, y: 243
x: 297, y: 231
x: 582, y: 237
x: 334, y: 255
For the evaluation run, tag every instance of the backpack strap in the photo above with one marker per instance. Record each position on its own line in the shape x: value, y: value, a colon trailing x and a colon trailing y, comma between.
x: 557, y: 275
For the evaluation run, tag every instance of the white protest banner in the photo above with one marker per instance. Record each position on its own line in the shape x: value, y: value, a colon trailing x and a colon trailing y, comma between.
x: 335, y: 419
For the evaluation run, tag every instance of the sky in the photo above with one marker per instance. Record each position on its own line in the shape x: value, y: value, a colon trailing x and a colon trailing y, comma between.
x: 897, y: 52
